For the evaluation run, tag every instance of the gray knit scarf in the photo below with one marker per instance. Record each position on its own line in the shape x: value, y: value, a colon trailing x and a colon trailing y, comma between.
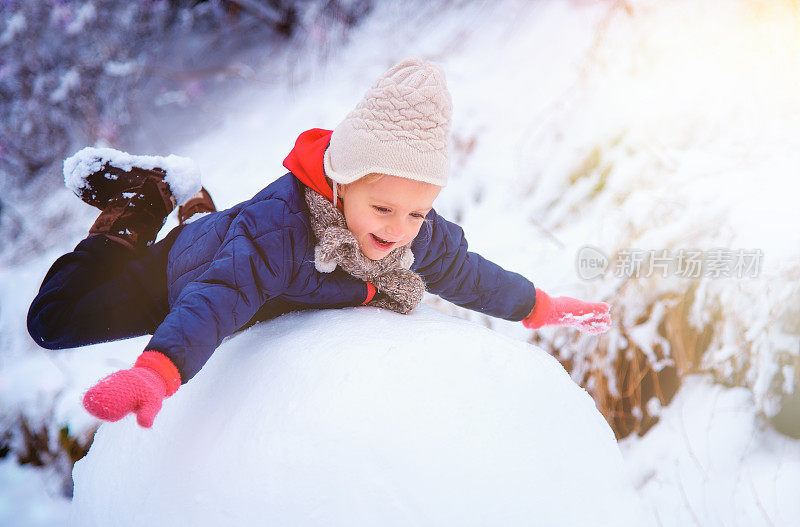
x: 398, y: 287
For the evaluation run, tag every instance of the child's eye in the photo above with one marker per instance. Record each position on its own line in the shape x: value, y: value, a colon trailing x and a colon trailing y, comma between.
x: 383, y: 210
x: 417, y: 215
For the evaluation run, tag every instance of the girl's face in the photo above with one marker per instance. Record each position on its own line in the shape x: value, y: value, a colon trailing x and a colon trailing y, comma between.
x: 387, y: 213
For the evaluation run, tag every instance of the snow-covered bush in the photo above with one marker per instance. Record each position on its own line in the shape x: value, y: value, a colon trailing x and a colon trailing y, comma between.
x: 362, y: 416
x: 677, y: 154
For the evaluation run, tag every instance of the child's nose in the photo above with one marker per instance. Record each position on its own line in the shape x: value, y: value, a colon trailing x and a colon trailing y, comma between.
x: 394, y: 228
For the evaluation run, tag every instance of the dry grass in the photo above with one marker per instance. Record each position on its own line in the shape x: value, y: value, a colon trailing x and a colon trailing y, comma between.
x: 623, y: 399
x: 41, y: 445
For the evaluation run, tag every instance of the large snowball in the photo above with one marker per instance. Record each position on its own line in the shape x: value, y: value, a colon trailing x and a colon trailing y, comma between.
x: 364, y: 417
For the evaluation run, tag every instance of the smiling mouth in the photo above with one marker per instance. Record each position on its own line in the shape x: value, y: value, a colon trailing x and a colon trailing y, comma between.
x: 380, y: 242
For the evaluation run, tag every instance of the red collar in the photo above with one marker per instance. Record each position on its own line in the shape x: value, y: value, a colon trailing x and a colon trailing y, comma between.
x: 305, y: 160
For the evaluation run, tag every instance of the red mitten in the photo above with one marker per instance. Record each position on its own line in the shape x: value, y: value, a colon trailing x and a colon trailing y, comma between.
x: 589, y: 317
x: 140, y: 389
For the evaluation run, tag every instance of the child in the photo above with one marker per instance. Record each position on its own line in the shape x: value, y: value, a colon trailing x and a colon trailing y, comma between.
x: 287, y: 248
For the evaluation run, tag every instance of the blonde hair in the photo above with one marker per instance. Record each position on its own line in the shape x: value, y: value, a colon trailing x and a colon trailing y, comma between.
x: 371, y: 178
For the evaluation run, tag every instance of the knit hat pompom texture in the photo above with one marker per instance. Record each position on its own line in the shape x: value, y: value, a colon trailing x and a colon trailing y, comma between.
x: 401, y: 128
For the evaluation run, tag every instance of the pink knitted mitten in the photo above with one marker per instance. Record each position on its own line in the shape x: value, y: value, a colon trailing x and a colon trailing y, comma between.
x: 140, y: 389
x: 588, y: 317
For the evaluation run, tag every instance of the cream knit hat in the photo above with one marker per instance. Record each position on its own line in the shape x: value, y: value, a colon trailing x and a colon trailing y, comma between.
x: 401, y: 127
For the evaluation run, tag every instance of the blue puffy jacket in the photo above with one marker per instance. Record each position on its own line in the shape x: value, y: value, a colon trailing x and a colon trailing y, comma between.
x: 255, y: 261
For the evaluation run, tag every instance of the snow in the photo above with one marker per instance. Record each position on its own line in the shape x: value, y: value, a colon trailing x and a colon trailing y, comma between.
x: 183, y: 175
x: 69, y: 80
x: 15, y: 24
x: 364, y: 417
x: 120, y: 69
x: 25, y: 502
x: 587, y: 322
x: 686, y: 111
x: 710, y: 461
x: 85, y: 13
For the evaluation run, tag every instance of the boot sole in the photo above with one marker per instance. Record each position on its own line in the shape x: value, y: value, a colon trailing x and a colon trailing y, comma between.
x: 107, y: 185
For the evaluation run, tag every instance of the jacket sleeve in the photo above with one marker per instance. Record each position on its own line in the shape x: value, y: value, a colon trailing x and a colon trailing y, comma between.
x: 253, y: 264
x: 450, y: 270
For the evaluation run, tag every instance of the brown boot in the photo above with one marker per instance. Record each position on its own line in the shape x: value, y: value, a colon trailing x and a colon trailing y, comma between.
x: 197, y: 204
x: 135, y: 203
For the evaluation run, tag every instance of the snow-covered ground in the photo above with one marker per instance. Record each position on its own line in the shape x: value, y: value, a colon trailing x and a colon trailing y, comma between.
x: 711, y: 461
x: 27, y: 499
x: 575, y: 124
